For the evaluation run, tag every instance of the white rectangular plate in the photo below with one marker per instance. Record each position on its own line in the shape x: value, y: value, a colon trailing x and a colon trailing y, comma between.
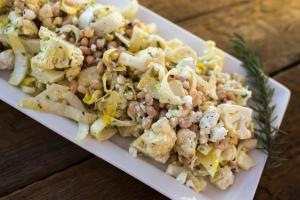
x: 151, y: 173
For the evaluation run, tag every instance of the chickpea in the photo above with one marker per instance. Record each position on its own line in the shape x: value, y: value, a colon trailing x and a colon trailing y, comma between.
x: 185, y: 123
x: 84, y: 42
x: 81, y: 89
x: 100, y: 68
x: 149, y: 99
x: 85, y: 50
x: 97, y: 54
x: 112, y: 44
x: 72, y: 40
x: 115, y: 55
x: 100, y: 43
x: 73, y: 86
x: 90, y: 60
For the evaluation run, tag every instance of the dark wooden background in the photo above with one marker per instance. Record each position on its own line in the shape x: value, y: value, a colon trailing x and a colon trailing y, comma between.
x: 36, y: 163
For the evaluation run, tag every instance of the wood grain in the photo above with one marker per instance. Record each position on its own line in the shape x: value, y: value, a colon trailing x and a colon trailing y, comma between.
x: 283, y: 182
x: 271, y: 26
x: 93, y: 180
x: 29, y: 151
x: 180, y: 10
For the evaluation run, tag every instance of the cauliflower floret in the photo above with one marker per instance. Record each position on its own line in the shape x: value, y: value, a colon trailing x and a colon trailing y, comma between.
x: 186, y: 143
x: 7, y: 60
x: 245, y: 161
x: 223, y: 178
x: 213, y: 57
x: 58, y: 54
x: 157, y: 142
x: 237, y: 119
x: 229, y: 153
x: 26, y: 26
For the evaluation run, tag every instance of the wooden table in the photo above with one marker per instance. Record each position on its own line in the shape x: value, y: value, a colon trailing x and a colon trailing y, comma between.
x: 36, y: 163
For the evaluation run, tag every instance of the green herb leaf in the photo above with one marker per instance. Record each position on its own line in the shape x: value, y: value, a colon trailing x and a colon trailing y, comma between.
x: 262, y: 94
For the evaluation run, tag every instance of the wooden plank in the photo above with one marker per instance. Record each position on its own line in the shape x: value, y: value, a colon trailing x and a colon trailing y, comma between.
x: 93, y: 179
x: 29, y: 151
x: 179, y: 10
x: 271, y: 26
x: 283, y: 182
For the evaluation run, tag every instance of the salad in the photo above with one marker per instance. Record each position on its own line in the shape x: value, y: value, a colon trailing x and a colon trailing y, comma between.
x: 99, y: 66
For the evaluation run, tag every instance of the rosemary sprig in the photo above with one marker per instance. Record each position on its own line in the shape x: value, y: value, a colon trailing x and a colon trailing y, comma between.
x: 262, y: 94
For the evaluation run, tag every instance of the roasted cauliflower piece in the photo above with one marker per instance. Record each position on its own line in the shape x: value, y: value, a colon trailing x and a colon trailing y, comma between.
x: 26, y: 27
x: 237, y: 120
x: 156, y: 142
x: 186, y: 143
x: 7, y: 60
x: 223, y: 178
x: 58, y: 54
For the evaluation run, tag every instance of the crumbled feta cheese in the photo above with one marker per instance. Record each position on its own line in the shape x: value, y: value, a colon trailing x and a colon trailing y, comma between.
x: 209, y: 120
x: 188, y: 100
x: 218, y: 134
